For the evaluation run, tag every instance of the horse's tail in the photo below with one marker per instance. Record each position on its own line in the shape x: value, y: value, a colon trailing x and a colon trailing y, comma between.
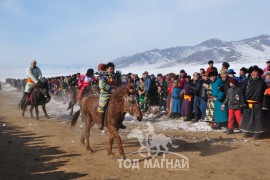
x: 75, y: 118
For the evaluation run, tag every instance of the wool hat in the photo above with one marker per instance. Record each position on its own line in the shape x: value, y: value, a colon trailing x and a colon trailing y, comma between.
x: 233, y: 81
x: 90, y: 72
x: 102, y: 67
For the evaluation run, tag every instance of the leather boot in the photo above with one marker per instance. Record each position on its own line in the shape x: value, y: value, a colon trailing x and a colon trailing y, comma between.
x: 101, y: 117
x: 121, y: 125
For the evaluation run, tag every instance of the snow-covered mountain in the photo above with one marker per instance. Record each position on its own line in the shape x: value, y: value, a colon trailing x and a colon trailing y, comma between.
x: 256, y: 49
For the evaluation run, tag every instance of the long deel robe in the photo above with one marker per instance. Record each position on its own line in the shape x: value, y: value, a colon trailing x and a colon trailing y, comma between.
x: 220, y: 116
x: 176, y: 104
x: 252, y: 121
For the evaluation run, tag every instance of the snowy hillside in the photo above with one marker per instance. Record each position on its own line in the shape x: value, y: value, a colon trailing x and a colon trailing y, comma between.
x: 256, y: 49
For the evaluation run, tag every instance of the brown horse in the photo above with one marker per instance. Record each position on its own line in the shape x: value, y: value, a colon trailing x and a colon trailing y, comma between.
x: 122, y: 101
x: 90, y: 90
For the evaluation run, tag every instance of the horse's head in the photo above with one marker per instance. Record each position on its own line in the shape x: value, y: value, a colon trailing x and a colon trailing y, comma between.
x: 45, y: 93
x: 131, y: 103
x: 131, y: 106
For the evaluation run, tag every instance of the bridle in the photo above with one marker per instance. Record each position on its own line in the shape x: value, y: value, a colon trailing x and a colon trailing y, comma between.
x: 132, y: 103
x: 44, y: 92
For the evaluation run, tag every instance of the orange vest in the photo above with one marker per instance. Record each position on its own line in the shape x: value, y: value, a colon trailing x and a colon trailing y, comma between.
x: 29, y: 80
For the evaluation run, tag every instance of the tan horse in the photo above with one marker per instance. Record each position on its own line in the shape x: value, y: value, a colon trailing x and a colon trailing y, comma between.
x: 122, y: 101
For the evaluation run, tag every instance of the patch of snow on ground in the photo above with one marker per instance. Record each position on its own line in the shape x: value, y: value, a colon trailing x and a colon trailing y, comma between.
x: 165, y: 123
x: 8, y: 87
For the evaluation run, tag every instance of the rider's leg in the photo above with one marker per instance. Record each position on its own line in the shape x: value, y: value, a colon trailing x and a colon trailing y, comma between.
x: 28, y: 89
x: 101, y: 117
x: 103, y: 103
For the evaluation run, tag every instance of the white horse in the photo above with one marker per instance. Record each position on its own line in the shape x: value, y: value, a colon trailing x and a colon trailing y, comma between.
x: 151, y: 140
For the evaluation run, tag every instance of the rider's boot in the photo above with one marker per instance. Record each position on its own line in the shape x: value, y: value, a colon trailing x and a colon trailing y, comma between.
x: 121, y: 125
x: 101, y: 116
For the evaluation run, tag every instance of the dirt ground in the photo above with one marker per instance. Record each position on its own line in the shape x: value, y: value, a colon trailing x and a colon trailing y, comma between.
x: 49, y: 149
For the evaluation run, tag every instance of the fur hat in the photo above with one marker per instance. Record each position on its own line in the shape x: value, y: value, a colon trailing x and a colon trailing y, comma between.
x: 255, y: 68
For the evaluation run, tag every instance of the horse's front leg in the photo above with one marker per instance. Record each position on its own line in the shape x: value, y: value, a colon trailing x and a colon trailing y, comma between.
x: 36, y: 108
x: 110, y: 143
x: 31, y: 111
x: 45, y: 112
x: 117, y: 140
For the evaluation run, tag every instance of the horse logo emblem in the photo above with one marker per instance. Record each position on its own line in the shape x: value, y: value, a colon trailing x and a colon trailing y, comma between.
x: 150, y: 141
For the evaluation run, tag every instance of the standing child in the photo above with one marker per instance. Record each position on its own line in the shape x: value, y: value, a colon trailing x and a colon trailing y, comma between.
x: 141, y: 92
x: 176, y: 109
x: 160, y: 97
x: 234, y: 99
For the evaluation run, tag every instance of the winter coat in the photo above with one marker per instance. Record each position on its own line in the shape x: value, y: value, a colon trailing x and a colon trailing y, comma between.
x: 33, y: 74
x: 234, y: 98
x: 147, y: 83
x: 195, y: 86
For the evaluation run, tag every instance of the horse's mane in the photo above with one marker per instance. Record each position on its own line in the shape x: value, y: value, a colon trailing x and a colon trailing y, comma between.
x: 122, y: 91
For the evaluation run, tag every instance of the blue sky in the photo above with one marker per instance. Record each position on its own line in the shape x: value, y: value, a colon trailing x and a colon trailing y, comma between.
x: 94, y: 31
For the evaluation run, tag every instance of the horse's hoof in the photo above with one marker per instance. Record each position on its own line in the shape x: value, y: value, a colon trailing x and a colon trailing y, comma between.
x: 48, y: 117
